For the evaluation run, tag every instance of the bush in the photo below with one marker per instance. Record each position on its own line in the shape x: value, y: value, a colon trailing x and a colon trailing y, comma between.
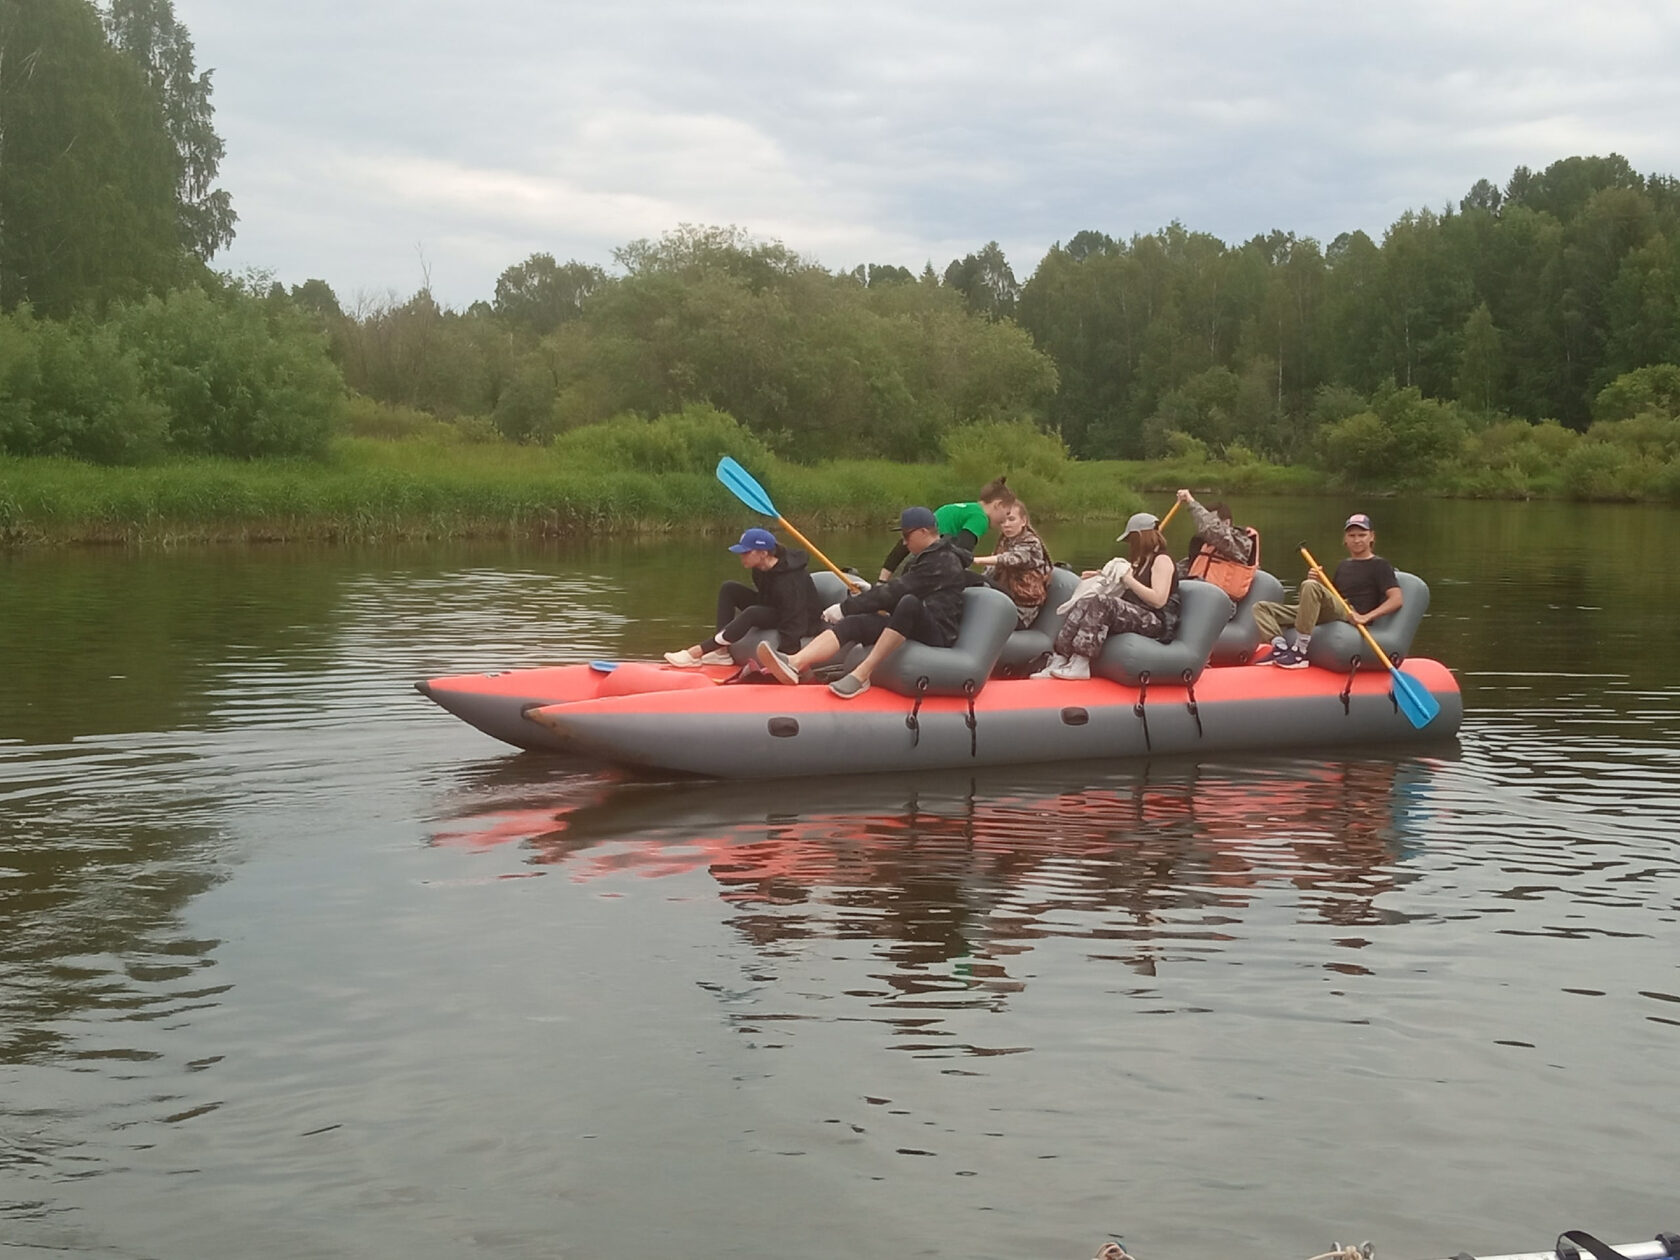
x: 1653, y: 388
x: 1601, y: 470
x: 693, y: 440
x: 72, y: 389
x: 1017, y: 448
x: 239, y: 376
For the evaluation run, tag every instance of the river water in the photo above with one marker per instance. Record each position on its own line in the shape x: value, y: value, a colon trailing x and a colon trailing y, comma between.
x: 294, y: 964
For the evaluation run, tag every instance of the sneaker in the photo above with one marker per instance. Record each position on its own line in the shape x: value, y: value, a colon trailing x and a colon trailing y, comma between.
x: 717, y: 656
x: 1289, y: 658
x: 1056, y: 661
x: 1075, y: 668
x: 683, y: 658
x: 777, y: 665
x: 849, y: 687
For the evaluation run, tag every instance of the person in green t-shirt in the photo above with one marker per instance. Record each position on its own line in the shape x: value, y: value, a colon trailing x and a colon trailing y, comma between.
x: 964, y: 524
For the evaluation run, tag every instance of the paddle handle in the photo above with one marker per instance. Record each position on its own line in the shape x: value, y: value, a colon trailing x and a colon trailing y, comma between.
x: 1171, y: 512
x: 852, y: 584
x: 1330, y: 586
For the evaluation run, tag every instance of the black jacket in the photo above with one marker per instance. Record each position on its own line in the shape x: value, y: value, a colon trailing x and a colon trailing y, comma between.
x: 937, y: 576
x: 787, y: 587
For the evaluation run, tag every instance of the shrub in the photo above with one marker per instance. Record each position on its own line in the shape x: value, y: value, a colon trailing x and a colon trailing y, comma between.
x: 1602, y: 470
x: 692, y: 440
x: 239, y: 376
x: 979, y: 451
x: 71, y: 389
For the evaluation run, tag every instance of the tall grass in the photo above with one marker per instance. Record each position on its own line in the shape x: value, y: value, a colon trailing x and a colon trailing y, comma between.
x: 372, y: 490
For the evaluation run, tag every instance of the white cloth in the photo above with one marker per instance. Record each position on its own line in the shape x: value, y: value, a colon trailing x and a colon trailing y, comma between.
x: 831, y: 614
x: 1108, y: 580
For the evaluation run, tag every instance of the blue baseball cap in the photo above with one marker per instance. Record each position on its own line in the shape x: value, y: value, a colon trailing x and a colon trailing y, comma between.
x: 755, y: 539
x: 917, y: 518
x: 1357, y: 521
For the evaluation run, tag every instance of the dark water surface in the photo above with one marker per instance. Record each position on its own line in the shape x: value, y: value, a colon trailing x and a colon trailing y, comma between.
x: 294, y: 964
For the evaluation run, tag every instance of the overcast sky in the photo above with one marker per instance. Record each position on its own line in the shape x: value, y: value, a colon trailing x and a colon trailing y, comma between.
x: 365, y: 136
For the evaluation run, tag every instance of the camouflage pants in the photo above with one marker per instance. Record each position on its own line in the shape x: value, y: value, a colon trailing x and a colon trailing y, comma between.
x: 1095, y: 617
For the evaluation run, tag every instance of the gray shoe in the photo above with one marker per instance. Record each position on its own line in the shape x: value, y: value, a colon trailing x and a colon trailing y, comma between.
x: 850, y: 687
x: 777, y: 665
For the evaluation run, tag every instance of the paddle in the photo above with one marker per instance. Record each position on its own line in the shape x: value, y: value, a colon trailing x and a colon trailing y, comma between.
x: 741, y: 484
x: 1412, y: 696
x: 1171, y: 512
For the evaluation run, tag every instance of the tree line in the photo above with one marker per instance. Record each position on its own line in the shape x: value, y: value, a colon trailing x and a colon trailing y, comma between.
x: 1520, y: 305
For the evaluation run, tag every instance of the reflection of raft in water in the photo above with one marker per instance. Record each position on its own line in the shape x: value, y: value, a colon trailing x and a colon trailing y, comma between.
x: 940, y: 708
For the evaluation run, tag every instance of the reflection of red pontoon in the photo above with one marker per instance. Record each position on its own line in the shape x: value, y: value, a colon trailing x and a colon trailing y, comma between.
x: 650, y: 717
x: 1038, y: 844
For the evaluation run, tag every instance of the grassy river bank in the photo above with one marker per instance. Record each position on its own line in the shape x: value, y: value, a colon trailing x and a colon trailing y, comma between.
x: 371, y: 490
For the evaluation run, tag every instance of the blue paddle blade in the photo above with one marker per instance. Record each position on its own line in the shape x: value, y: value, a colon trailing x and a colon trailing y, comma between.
x: 1414, y: 699
x: 603, y: 667
x: 741, y: 484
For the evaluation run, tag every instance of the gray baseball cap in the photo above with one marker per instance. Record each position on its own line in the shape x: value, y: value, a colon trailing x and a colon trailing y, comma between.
x: 1139, y: 520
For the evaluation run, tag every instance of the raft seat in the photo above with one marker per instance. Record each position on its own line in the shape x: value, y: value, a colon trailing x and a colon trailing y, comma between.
x: 1240, y: 638
x: 988, y: 618
x: 1335, y: 644
x: 1204, y: 611
x: 1025, y: 646
x: 830, y: 590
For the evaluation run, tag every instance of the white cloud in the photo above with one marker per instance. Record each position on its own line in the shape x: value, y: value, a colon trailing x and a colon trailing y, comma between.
x: 878, y: 131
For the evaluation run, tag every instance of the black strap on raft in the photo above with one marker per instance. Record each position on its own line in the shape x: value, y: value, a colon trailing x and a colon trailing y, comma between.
x: 914, y: 721
x: 1572, y: 1242
x: 970, y: 690
x: 1143, y: 695
x: 1347, y: 698
x: 1671, y: 1244
x: 1195, y: 709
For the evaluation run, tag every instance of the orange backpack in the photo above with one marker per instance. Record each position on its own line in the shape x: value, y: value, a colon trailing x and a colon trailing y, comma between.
x: 1231, y: 576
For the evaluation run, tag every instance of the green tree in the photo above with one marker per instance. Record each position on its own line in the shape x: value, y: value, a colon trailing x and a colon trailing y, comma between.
x: 540, y: 294
x: 148, y: 32
x: 986, y: 282
x: 87, y: 170
x: 1478, y: 363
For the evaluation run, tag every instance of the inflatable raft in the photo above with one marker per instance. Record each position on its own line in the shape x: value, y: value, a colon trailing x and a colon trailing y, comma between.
x: 946, y: 708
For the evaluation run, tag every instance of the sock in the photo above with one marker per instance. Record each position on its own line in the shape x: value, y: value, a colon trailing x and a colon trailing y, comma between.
x: 1301, y: 641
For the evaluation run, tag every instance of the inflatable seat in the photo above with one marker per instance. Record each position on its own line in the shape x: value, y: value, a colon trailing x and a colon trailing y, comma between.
x: 1240, y: 637
x: 830, y: 590
x: 988, y: 618
x: 1025, y: 646
x: 1335, y: 643
x: 1204, y: 610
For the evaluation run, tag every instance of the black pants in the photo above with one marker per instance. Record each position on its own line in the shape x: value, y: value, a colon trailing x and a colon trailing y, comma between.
x: 738, y: 612
x: 909, y: 618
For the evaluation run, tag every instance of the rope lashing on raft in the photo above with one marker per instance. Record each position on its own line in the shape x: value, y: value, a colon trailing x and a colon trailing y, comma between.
x: 1142, y: 716
x: 1189, y: 678
x: 914, y: 720
x: 970, y: 690
x: 1347, y: 689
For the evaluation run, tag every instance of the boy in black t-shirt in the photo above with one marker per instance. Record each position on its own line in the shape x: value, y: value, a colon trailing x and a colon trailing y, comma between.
x: 1365, y: 580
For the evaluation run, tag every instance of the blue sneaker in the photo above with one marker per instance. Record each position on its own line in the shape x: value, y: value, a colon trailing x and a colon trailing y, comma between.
x: 1288, y: 658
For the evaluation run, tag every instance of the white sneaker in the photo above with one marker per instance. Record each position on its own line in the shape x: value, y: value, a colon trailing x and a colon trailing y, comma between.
x: 1056, y: 661
x: 1075, y: 668
x: 717, y: 656
x: 682, y: 659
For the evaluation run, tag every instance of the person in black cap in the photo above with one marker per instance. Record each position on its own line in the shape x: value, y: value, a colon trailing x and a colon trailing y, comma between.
x: 924, y: 603
x: 782, y: 598
x: 1366, y: 581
